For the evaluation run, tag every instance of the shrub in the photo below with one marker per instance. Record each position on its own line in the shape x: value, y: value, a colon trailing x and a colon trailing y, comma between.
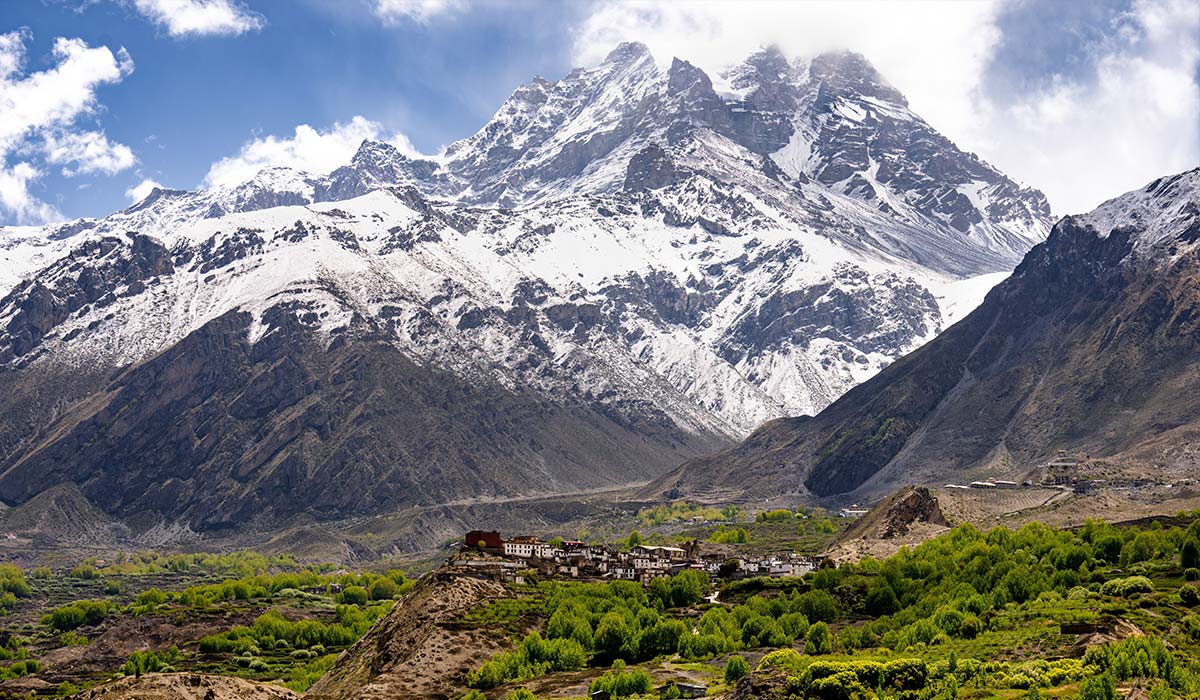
x: 383, y: 589
x: 140, y: 662
x: 781, y: 658
x: 534, y: 656
x: 1125, y: 587
x: 86, y: 572
x: 1189, y: 594
x: 881, y: 600
x: 843, y: 685
x: 12, y: 581
x: 736, y: 668
x: 78, y: 614
x: 1098, y: 688
x: 724, y: 535
x: 151, y: 597
x: 818, y: 640
x: 354, y: 595
x: 620, y: 683
x: 72, y: 639
x: 301, y: 678
x: 1189, y: 553
x: 775, y: 516
x: 818, y: 605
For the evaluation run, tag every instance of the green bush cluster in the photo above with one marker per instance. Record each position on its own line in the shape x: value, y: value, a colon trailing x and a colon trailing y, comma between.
x: 77, y: 614
x: 12, y: 581
x: 619, y: 682
x: 730, y: 535
x: 357, y: 589
x: 140, y: 662
x: 736, y: 668
x: 622, y: 619
x: 26, y: 667
x: 1125, y: 587
x: 12, y: 586
x: 683, y: 511
x: 775, y: 516
x: 236, y: 564
x: 533, y: 657
x: 302, y: 677
x: 1142, y: 657
x: 272, y: 630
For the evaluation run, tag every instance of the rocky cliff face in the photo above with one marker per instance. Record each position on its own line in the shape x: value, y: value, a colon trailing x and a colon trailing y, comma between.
x: 1087, y: 347
x: 623, y: 269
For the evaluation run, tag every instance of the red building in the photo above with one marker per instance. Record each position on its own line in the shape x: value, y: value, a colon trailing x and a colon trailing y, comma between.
x: 485, y: 541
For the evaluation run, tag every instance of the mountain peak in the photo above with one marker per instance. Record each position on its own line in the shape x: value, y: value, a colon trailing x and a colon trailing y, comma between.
x: 373, y: 151
x: 627, y: 52
x: 769, y: 58
x: 848, y: 70
x: 1165, y: 210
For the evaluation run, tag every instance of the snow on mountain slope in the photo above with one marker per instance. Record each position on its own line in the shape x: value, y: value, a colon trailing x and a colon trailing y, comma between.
x: 560, y: 296
x: 655, y: 254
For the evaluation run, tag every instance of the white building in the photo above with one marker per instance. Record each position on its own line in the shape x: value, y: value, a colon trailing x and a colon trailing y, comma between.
x: 526, y: 547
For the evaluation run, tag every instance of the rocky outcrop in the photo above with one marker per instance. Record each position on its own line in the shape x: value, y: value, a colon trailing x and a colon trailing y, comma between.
x: 901, y: 512
x: 186, y: 686
x: 420, y: 649
x: 94, y: 273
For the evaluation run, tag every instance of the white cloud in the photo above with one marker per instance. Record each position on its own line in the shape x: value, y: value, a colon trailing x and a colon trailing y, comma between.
x: 908, y: 42
x: 90, y: 152
x: 308, y: 149
x: 200, y: 17
x: 142, y: 190
x: 1135, y: 119
x: 39, y: 115
x: 1080, y: 142
x: 416, y: 10
x: 17, y: 200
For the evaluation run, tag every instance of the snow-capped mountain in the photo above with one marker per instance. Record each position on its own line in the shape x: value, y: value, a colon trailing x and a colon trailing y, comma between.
x: 638, y: 263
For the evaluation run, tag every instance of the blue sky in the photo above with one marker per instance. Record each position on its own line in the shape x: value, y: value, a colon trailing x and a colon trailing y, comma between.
x: 1084, y: 100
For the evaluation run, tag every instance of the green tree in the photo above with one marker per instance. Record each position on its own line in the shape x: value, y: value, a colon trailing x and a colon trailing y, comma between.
x: 1099, y: 687
x: 881, y: 599
x: 1189, y: 553
x: 354, y: 595
x: 818, y: 640
x: 817, y: 605
x: 736, y: 668
x: 635, y: 539
x: 1161, y: 691
x: 383, y: 589
x: 612, y: 636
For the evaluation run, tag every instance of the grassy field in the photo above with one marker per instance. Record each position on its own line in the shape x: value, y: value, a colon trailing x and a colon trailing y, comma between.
x: 241, y: 615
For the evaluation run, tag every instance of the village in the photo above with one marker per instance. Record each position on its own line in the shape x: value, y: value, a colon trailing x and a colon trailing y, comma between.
x: 485, y: 554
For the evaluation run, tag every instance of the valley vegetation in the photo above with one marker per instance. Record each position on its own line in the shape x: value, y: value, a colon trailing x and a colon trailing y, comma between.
x: 240, y: 614
x: 1031, y: 613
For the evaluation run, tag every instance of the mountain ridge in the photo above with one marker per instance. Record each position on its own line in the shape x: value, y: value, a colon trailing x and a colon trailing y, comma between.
x: 646, y: 275
x: 1085, y: 348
